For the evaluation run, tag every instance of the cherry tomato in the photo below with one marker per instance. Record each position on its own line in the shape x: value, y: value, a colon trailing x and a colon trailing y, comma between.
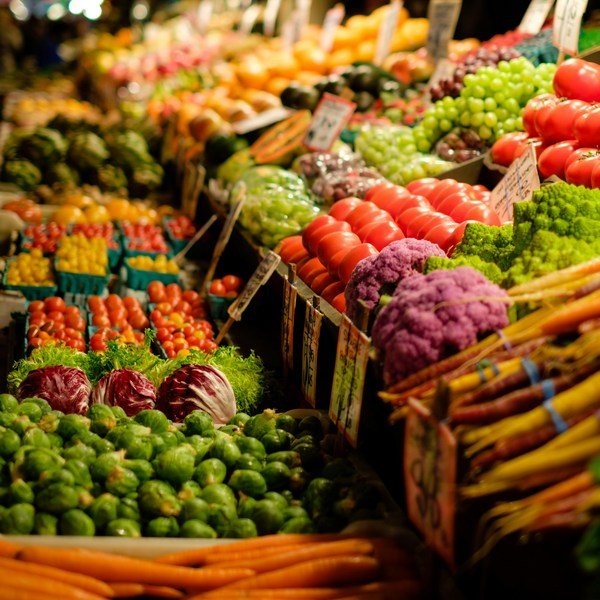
x: 383, y: 234
x: 577, y: 78
x: 156, y: 292
x: 560, y: 123
x: 217, y: 288
x: 587, y: 126
x: 579, y: 172
x: 530, y: 112
x: 36, y: 306
x: 232, y: 283
x: 352, y: 258
x: 183, y: 307
x: 54, y: 303
x: 552, y: 159
x: 342, y: 208
x: 503, y: 150
x: 330, y: 244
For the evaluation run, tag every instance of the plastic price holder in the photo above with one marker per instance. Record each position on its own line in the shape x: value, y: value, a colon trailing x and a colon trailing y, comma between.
x: 290, y: 296
x: 310, y: 350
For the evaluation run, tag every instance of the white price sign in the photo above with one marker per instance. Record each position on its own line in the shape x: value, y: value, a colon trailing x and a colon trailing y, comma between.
x: 270, y: 16
x: 331, y: 22
x: 520, y: 181
x: 310, y: 352
x: 443, y: 16
x: 249, y: 19
x: 386, y: 32
x: 567, y: 22
x: 535, y: 16
x: 330, y: 116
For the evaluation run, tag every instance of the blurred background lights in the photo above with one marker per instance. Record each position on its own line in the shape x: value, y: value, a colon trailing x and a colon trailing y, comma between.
x: 19, y: 10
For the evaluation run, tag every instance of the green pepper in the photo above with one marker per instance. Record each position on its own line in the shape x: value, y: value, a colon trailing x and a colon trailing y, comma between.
x: 123, y: 528
x: 80, y: 452
x: 121, y: 481
x: 158, y: 499
x: 143, y: 469
x: 194, y: 528
x: 30, y: 410
x: 194, y: 508
x: 198, y: 422
x: 20, y: 491
x: 226, y: 450
x: 162, y: 527
x: 241, y: 528
x: 76, y: 522
x: 209, y: 471
x: 176, y: 465
x: 156, y: 420
x: 9, y: 443
x: 239, y: 419
x: 8, y: 403
x: 188, y: 489
x: 103, y: 510
x: 251, y: 483
x: 19, y: 519
x: 201, y: 445
x: 128, y: 508
x: 57, y: 498
x: 102, y: 419
x: 35, y: 437
x: 45, y: 524
x: 104, y: 464
x: 71, y: 425
x: 80, y: 471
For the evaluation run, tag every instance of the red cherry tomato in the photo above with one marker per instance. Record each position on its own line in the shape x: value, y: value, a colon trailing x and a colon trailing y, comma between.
x: 216, y: 288
x: 383, y: 234
x: 342, y: 208
x: 503, y: 150
x: 552, y: 159
x: 577, y: 78
x: 352, y: 258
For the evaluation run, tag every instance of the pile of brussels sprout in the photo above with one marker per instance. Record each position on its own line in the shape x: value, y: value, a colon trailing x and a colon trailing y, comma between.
x: 105, y: 473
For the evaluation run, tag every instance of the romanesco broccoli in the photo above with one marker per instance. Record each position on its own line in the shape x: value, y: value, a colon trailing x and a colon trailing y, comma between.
x: 491, y: 244
x: 490, y: 270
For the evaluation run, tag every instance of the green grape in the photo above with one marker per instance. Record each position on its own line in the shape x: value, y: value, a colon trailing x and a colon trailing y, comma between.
x: 477, y: 119
x: 489, y: 104
x: 465, y: 119
x: 485, y: 133
x: 475, y: 105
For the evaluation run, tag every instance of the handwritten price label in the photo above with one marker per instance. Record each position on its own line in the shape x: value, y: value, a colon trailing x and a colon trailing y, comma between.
x: 386, y: 32
x: 260, y: 276
x: 330, y: 116
x: 520, y: 181
x: 333, y: 18
x: 290, y: 295
x: 535, y: 16
x: 567, y: 22
x: 430, y: 476
x: 310, y: 352
x: 443, y: 15
x: 349, y: 379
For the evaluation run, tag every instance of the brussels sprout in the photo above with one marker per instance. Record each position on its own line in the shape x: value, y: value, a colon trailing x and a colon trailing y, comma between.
x: 102, y: 419
x: 295, y: 512
x: 319, y: 497
x: 249, y: 482
x: 63, y: 476
x: 7, y: 419
x: 20, y: 491
x: 279, y: 499
x: 198, y: 422
x: 154, y: 419
x: 245, y: 506
x: 258, y: 425
x: 170, y: 438
x: 80, y: 452
x: 103, y: 510
x: 158, y: 499
x: 9, y: 443
x: 128, y: 508
x: 121, y: 481
x: 230, y: 430
x: 19, y: 519
x: 211, y: 470
x: 240, y: 528
x: 71, y: 425
x: 162, y: 527
x: 176, y: 465
x: 248, y: 461
x: 194, y: 528
x: 8, y: 403
x: 290, y: 457
x: 298, y: 524
x: 57, y: 498
x: 120, y: 414
x: 80, y: 471
x: 20, y: 424
x: 218, y: 493
x: 35, y: 437
x: 250, y: 445
x: 123, y: 528
x: 220, y: 515
x: 194, y: 508
x: 276, y: 440
x: 311, y: 424
x: 201, y: 445
x: 143, y: 469
x: 277, y: 475
x: 45, y: 524
x: 225, y: 450
x: 38, y: 460
x: 42, y: 403
x: 55, y: 440
x: 101, y: 445
x: 134, y: 439
x: 267, y: 516
x: 239, y: 419
x: 101, y: 468
x: 76, y: 522
x: 31, y: 410
x: 299, y: 479
x: 287, y: 423
x: 49, y: 422
x: 188, y: 489
x: 311, y: 456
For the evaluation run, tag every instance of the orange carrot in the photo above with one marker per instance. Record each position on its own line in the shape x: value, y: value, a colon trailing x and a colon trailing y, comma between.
x: 8, y: 592
x: 9, y: 549
x: 197, y: 556
x: 31, y: 582
x: 116, y: 568
x: 303, y: 553
x: 95, y: 586
x: 222, y: 558
x: 131, y: 590
x: 571, y: 315
x: 321, y: 572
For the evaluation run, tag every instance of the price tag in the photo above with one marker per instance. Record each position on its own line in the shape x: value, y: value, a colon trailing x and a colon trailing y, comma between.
x: 443, y: 16
x: 291, y: 30
x: 194, y: 176
x: 260, y: 276
x: 430, y: 476
x: 333, y: 18
x: 567, y: 22
x: 263, y: 119
x: 270, y: 16
x: 290, y: 295
x: 204, y: 14
x: 328, y: 120
x: 303, y: 8
x: 386, y: 32
x: 349, y: 379
x: 535, y: 16
x: 249, y: 19
x: 520, y: 181
x: 310, y: 351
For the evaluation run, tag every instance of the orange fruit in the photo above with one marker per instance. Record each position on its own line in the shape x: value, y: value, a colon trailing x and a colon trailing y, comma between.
x: 283, y: 65
x: 341, y: 58
x: 365, y: 50
x: 118, y: 209
x: 345, y: 37
x: 67, y: 213
x: 96, y: 213
x: 276, y: 85
x: 252, y: 73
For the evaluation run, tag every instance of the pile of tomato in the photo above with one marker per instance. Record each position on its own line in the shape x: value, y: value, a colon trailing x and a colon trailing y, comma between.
x: 229, y: 286
x: 51, y: 321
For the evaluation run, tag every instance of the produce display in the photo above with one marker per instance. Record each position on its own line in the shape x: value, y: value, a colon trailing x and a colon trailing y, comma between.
x: 29, y: 269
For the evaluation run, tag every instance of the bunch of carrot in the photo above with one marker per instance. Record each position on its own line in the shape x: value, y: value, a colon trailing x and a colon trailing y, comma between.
x: 293, y: 566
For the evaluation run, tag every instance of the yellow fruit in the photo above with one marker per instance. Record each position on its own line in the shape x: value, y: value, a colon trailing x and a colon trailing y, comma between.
x: 67, y: 214
x: 96, y: 213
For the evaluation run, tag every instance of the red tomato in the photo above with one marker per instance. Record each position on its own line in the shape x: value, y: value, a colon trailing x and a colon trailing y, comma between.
x: 165, y: 308
x: 156, y: 291
x: 552, y: 159
x: 185, y: 308
x: 461, y: 210
x: 503, y: 150
x: 312, y: 239
x: 457, y: 236
x: 56, y: 316
x: 542, y: 114
x: 423, y: 186
x: 173, y: 291
x: 129, y: 302
x: 77, y: 322
x: 96, y: 304
x: 310, y: 269
x: 339, y: 303
x: 451, y: 202
x: 483, y: 213
x: 333, y: 242
x: 577, y: 78
x: 352, y: 258
x: 321, y: 281
x: 332, y: 290
x: 380, y: 187
x: 192, y: 296
x: 72, y: 310
x: 414, y: 221
x: 435, y: 219
x: 310, y: 230
x: 301, y: 254
x: 531, y: 110
x: 334, y: 263
x: 538, y: 143
x: 113, y: 301
x: 587, y: 127
x: 97, y: 344
x: 232, y: 283
x: 217, y: 288
x: 383, y: 234
x: 36, y: 306
x: 342, y: 208
x: 595, y: 182
x: 54, y: 303
x: 577, y: 154
x: 559, y: 124
x: 444, y: 188
x: 441, y: 234
x: 139, y: 321
x: 407, y: 217
x: 162, y: 334
x: 381, y: 216
x: 366, y: 209
x: 579, y: 172
x: 394, y: 201
x: 289, y: 246
x: 99, y: 320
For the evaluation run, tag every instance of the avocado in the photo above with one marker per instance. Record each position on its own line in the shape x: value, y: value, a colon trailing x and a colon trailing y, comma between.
x: 364, y: 78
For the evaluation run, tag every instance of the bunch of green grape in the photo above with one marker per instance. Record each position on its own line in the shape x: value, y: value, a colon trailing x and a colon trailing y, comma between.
x: 491, y: 103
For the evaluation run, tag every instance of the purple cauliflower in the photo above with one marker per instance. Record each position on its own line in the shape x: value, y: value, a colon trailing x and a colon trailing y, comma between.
x: 394, y: 263
x: 432, y: 316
